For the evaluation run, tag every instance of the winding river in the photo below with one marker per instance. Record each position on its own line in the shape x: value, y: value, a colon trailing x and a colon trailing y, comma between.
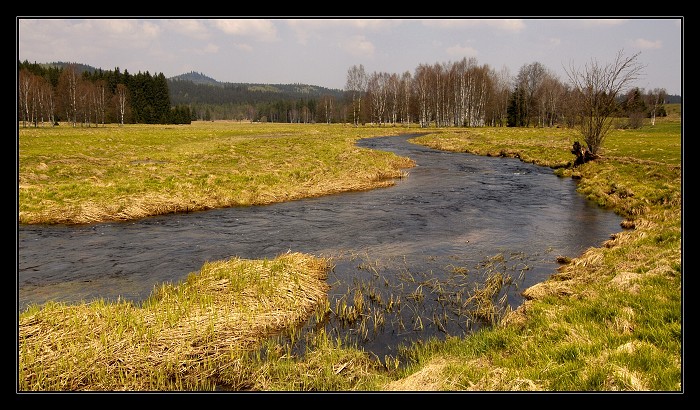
x: 453, y: 219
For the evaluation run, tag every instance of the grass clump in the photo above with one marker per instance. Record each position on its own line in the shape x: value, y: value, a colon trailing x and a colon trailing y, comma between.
x: 192, y: 335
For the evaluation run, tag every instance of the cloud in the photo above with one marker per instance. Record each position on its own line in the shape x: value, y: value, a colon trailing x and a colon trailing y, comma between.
x: 358, y: 46
x: 554, y: 41
x: 188, y: 27
x: 124, y: 30
x: 263, y: 30
x: 304, y: 29
x: 243, y: 47
x: 462, y: 51
x: 513, y: 25
x: 599, y: 22
x: 646, y: 44
x: 211, y: 49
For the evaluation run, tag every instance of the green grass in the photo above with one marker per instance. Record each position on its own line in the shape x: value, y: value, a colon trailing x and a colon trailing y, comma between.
x: 608, y: 320
x: 83, y: 175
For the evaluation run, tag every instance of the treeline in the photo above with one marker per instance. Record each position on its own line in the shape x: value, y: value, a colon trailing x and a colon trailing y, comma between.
x: 70, y: 93
x: 460, y: 94
x: 466, y: 94
x: 454, y: 94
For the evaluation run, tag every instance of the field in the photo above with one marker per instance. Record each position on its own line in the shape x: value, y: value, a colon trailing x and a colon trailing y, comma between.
x: 608, y: 320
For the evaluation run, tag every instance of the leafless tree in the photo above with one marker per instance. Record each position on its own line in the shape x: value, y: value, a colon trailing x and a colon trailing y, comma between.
x: 655, y: 100
x: 121, y: 98
x: 405, y: 95
x: 423, y: 93
x: 596, y: 88
x: 327, y: 102
x: 68, y: 91
x: 529, y: 79
x: 26, y: 85
x: 100, y: 98
x: 356, y: 85
x: 497, y: 108
x: 549, y: 96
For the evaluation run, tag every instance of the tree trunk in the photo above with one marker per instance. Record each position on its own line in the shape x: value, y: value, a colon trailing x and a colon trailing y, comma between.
x: 583, y: 155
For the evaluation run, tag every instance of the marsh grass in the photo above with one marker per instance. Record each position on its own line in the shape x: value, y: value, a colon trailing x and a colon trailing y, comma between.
x: 184, y: 337
x: 84, y: 175
x: 607, y: 320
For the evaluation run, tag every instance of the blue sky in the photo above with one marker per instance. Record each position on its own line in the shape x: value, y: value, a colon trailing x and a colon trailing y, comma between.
x: 320, y: 51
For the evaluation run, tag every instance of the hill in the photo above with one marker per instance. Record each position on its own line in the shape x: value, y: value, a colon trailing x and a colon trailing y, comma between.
x: 197, y: 78
x: 198, y: 88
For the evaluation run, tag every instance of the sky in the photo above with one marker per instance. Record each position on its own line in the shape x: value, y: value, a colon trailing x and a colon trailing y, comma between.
x: 320, y: 51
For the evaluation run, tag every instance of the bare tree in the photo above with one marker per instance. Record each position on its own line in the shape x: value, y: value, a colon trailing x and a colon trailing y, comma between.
x: 26, y: 85
x: 529, y: 80
x: 596, y: 88
x: 405, y: 96
x: 549, y: 96
x: 356, y: 84
x: 327, y: 104
x: 121, y: 95
x: 655, y: 100
x: 68, y: 92
x: 423, y: 94
x: 498, y: 104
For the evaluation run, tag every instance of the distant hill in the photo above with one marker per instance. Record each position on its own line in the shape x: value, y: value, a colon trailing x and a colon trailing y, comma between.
x: 198, y: 88
x: 197, y: 78
x: 62, y: 64
x: 311, y: 90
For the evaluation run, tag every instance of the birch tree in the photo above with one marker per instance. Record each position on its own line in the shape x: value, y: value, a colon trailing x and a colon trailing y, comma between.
x: 406, y: 97
x: 356, y: 84
x: 26, y: 81
x: 121, y: 98
x: 422, y: 84
x: 68, y: 92
x: 655, y: 101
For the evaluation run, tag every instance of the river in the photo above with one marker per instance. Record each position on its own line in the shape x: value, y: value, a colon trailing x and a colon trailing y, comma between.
x: 426, y: 241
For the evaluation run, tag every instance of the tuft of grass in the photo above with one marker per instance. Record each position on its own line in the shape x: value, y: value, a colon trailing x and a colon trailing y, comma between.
x: 193, y: 335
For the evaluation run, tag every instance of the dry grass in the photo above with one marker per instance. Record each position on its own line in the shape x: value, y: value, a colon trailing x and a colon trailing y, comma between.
x: 181, y: 338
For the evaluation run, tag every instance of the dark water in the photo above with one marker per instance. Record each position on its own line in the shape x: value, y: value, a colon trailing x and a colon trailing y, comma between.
x: 425, y: 241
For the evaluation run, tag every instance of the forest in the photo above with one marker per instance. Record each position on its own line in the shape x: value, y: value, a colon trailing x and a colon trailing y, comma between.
x: 454, y: 94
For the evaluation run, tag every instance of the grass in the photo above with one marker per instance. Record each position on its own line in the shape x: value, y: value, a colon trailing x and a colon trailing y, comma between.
x: 84, y: 175
x: 179, y: 338
x: 607, y: 320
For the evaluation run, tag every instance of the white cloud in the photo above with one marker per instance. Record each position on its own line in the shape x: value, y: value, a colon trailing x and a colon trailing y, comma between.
x: 358, y: 46
x: 188, y: 27
x: 243, y: 47
x: 460, y: 51
x: 600, y: 22
x: 124, y: 31
x: 646, y: 44
x: 514, y: 25
x: 211, y: 49
x: 304, y: 29
x: 263, y: 30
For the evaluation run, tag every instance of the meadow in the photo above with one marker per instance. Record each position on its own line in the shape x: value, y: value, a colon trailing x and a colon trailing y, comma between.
x: 607, y: 320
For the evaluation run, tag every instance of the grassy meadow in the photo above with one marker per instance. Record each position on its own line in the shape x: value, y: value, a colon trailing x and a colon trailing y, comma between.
x: 83, y: 175
x: 607, y: 320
